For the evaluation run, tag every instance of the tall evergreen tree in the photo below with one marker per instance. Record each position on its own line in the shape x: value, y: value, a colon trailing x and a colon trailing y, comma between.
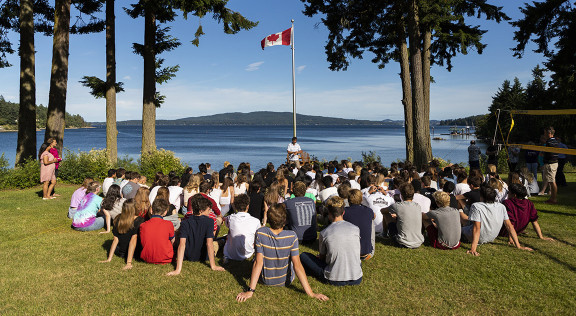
x: 56, y: 120
x: 19, y: 17
x: 431, y: 31
x: 551, y: 25
x: 108, y: 89
x: 157, y: 40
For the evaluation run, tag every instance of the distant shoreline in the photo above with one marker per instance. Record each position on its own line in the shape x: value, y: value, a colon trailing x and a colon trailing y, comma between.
x: 2, y: 130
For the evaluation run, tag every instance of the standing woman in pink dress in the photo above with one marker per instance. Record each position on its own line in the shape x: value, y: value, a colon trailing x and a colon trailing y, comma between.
x: 54, y: 153
x: 47, y: 169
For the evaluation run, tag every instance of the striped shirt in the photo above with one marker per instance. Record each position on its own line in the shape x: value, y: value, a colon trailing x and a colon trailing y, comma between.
x: 277, y: 251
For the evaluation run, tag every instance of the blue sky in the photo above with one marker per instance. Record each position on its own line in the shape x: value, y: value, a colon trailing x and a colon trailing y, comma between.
x: 231, y: 73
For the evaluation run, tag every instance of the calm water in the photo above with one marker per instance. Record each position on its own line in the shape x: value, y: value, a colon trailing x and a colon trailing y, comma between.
x: 256, y: 144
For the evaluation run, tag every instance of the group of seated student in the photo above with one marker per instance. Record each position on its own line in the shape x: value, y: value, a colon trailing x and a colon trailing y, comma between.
x: 273, y: 211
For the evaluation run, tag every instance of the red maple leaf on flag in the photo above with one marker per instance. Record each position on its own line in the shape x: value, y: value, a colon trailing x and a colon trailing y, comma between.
x: 273, y: 37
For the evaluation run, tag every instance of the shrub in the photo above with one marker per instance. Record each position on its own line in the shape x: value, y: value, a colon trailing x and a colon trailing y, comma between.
x: 159, y: 160
x: 4, y: 164
x: 24, y: 176
x: 127, y: 163
x: 369, y: 157
x: 76, y: 166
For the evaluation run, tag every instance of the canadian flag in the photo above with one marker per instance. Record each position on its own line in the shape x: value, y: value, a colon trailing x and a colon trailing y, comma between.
x: 282, y: 38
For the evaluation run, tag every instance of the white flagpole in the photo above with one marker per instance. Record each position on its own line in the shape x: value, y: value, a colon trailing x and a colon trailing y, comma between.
x: 293, y: 80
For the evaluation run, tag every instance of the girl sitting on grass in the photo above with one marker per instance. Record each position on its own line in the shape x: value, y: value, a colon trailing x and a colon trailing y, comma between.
x: 142, y: 203
x: 113, y: 201
x: 89, y: 216
x: 125, y: 230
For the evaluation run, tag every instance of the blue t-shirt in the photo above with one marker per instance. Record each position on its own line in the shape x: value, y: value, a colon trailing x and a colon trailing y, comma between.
x: 362, y: 217
x: 277, y: 251
x: 301, y: 217
x: 196, y: 229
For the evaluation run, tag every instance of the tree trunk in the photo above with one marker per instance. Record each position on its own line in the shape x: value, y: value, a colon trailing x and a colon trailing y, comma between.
x: 149, y: 94
x: 55, y: 122
x: 111, y: 130
x: 426, y: 83
x: 406, y: 94
x: 426, y: 70
x: 27, y: 113
x: 421, y: 138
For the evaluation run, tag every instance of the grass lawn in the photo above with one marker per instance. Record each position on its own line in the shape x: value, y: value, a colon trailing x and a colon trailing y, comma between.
x: 48, y: 268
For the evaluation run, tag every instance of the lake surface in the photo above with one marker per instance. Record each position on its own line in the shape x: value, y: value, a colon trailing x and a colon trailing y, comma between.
x: 257, y: 144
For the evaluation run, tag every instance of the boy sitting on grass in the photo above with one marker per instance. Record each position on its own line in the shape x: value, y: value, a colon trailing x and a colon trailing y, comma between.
x: 241, y: 231
x: 486, y: 218
x: 443, y: 224
x: 157, y: 235
x: 277, y: 256
x: 339, y: 260
x: 197, y: 235
x: 404, y: 220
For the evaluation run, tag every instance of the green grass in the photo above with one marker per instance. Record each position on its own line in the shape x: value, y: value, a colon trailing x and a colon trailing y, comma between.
x: 47, y: 268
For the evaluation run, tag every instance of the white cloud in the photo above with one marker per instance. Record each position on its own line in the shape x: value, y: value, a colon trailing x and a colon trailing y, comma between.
x: 127, y: 78
x: 254, y: 66
x: 299, y: 69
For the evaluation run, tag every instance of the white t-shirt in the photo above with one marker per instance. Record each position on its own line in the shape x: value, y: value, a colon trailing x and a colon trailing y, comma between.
x: 293, y: 148
x: 215, y: 195
x: 377, y: 201
x: 242, y: 230
x: 153, y: 193
x: 328, y: 192
x: 354, y: 185
x: 176, y: 196
x: 461, y: 188
x: 423, y: 201
x: 491, y: 217
x: 106, y: 185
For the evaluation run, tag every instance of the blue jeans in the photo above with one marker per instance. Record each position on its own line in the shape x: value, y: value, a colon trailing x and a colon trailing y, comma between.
x: 533, y: 167
x: 98, y: 224
x: 315, y: 267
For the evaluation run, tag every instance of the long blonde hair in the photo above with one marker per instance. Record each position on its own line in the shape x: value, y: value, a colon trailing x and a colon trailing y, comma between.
x: 274, y: 193
x: 142, y: 202
x: 125, y: 221
x: 193, y: 183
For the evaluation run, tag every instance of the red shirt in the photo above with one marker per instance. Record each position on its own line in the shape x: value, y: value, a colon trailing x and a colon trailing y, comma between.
x: 156, y: 235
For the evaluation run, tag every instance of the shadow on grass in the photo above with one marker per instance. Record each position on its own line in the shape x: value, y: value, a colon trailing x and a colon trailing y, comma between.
x: 553, y: 258
x: 240, y: 270
x: 556, y: 212
x: 562, y: 241
x: 106, y: 245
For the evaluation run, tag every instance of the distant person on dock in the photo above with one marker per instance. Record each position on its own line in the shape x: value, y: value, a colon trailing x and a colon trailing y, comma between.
x: 294, y: 152
x: 474, y: 155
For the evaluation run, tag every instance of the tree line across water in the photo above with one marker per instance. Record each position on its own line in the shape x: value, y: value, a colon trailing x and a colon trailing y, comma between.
x: 9, y: 116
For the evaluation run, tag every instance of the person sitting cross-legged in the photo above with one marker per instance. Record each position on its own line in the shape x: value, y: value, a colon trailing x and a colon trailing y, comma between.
x: 486, y: 218
x: 277, y: 257
x: 363, y: 217
x: 443, y: 224
x: 521, y: 211
x: 197, y: 236
x: 339, y: 260
x: 404, y: 220
x: 241, y: 231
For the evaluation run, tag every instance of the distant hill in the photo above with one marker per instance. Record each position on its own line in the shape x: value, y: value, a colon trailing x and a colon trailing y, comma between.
x: 465, y: 121
x: 262, y: 118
